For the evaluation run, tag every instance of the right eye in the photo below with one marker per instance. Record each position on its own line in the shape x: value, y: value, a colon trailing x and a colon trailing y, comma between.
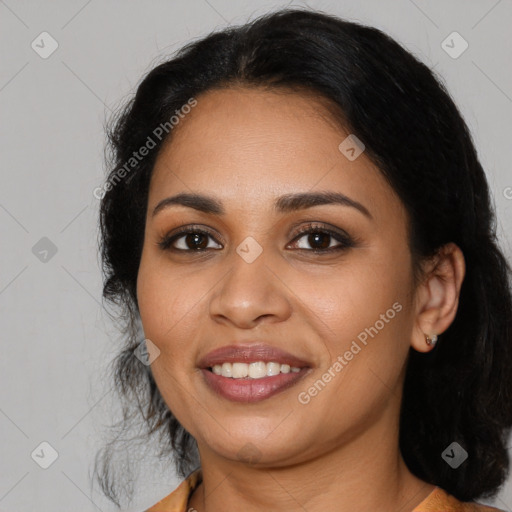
x: 189, y: 240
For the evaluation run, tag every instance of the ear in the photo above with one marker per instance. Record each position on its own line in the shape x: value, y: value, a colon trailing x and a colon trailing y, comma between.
x: 437, y: 297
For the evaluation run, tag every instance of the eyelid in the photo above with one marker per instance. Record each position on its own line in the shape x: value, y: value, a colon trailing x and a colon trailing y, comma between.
x: 187, y: 228
x: 301, y: 226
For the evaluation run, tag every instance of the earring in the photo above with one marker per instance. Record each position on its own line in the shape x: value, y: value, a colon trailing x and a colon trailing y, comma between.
x: 431, y: 341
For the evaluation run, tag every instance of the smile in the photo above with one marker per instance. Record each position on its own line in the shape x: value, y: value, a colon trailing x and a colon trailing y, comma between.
x: 255, y: 370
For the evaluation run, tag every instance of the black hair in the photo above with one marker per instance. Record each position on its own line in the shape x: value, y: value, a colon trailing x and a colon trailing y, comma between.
x: 412, y: 130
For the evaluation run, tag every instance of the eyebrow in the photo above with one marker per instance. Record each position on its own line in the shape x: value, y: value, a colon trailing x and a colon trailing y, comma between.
x: 284, y: 204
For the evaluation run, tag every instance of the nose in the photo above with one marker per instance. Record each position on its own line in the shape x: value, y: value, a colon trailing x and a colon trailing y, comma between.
x: 250, y: 293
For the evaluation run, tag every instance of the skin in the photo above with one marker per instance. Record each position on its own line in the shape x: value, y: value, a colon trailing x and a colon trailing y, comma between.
x: 246, y: 147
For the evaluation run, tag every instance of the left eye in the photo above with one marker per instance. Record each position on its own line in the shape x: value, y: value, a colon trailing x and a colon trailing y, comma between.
x: 321, y: 239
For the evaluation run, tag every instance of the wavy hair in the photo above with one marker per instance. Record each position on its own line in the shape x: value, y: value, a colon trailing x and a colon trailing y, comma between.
x: 462, y: 390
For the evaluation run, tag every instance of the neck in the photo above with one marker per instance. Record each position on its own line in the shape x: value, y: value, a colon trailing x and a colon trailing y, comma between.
x: 365, y: 474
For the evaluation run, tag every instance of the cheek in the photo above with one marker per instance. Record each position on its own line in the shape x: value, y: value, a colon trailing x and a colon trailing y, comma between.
x: 365, y: 315
x: 354, y: 296
x: 168, y: 311
x: 170, y: 305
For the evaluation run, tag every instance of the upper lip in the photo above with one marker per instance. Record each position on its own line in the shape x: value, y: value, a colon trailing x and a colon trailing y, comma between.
x: 250, y: 353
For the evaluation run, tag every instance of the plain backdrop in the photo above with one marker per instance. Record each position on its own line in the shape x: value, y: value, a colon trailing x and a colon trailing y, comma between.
x: 56, y: 338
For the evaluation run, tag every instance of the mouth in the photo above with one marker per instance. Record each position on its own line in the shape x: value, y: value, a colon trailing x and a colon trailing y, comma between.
x: 251, y: 373
x: 249, y: 389
x: 254, y: 370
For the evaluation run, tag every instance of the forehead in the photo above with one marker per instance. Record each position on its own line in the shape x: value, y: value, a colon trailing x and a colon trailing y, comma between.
x: 252, y: 143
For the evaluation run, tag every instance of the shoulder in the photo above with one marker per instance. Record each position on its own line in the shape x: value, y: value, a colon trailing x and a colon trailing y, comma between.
x: 437, y: 501
x: 440, y: 501
x: 177, y: 501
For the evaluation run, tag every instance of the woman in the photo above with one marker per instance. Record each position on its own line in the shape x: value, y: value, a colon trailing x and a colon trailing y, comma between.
x: 296, y: 214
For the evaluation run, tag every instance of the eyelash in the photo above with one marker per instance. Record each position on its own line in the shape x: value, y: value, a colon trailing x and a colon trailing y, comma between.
x: 345, y: 240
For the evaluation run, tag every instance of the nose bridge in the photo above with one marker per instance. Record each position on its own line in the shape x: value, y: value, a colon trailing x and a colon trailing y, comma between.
x: 250, y: 289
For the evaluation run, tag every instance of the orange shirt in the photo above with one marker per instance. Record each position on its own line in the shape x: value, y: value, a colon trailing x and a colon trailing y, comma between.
x: 437, y: 501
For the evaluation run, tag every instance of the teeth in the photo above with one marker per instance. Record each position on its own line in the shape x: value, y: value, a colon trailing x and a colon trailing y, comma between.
x: 255, y: 370
x: 273, y: 369
x: 240, y: 370
x: 226, y: 370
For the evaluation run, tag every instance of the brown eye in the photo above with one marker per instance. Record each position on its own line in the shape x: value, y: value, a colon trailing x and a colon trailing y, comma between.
x: 187, y: 240
x: 321, y: 239
x: 317, y: 240
x: 195, y: 241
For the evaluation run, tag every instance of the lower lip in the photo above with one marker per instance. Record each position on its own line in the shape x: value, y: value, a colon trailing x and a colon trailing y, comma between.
x: 251, y: 390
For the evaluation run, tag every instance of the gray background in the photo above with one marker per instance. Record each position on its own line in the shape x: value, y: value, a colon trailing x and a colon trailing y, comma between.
x: 56, y: 339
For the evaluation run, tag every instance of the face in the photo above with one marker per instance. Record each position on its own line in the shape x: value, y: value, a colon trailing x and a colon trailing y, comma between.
x: 329, y: 283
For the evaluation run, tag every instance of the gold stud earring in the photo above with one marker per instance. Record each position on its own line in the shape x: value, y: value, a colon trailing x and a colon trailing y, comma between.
x: 431, y: 341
